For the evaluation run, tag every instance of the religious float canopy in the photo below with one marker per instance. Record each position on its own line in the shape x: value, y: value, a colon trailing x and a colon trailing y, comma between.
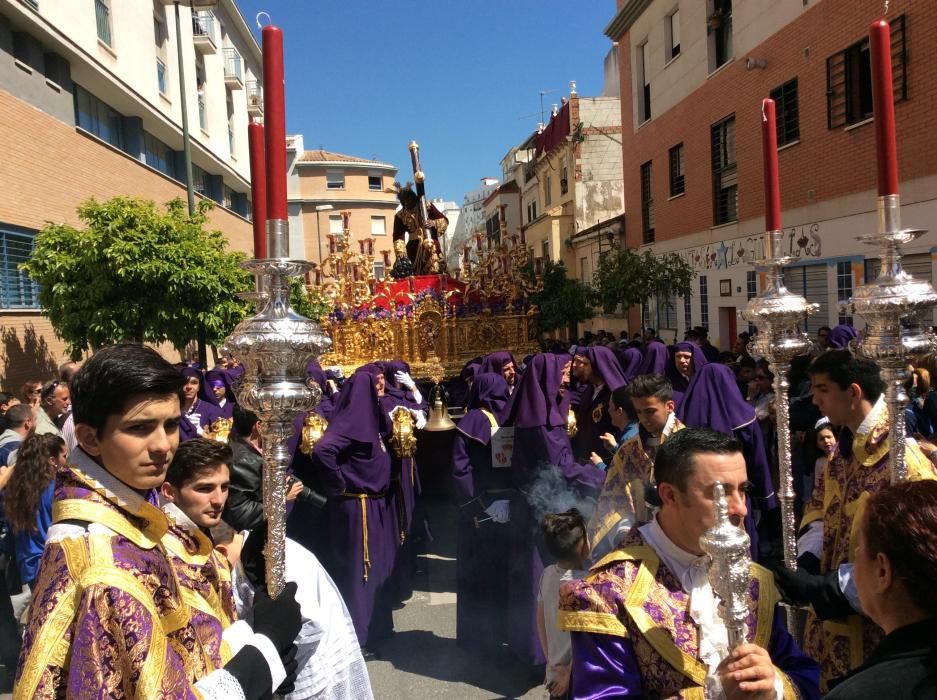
x: 436, y: 323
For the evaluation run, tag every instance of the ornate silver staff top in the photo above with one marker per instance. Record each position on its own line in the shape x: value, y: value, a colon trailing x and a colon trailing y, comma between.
x: 730, y: 567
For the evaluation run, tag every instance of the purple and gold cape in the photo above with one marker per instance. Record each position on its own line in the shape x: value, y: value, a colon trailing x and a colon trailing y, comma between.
x: 632, y: 635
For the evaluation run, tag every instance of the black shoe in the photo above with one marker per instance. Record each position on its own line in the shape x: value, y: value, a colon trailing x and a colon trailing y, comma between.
x: 368, y: 654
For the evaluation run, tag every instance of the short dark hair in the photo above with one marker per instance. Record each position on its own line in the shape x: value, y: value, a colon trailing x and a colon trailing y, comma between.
x: 621, y: 397
x: 646, y: 386
x: 650, y: 330
x: 197, y: 456
x: 114, y: 376
x: 19, y: 414
x: 48, y: 389
x: 674, y: 462
x: 844, y: 369
x: 563, y: 533
x: 823, y: 328
x: 748, y: 361
x: 745, y: 335
x: 244, y: 420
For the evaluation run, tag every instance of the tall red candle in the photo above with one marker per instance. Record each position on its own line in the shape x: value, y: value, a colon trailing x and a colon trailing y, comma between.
x: 769, y: 144
x: 275, y: 122
x: 883, y: 105
x: 255, y: 144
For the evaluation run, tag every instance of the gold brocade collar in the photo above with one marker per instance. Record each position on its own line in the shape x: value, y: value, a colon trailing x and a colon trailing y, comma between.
x: 870, y: 444
x: 110, y: 503
x: 184, y: 538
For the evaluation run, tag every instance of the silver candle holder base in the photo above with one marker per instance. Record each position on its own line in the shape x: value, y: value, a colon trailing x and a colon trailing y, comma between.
x: 274, y: 346
x: 893, y: 306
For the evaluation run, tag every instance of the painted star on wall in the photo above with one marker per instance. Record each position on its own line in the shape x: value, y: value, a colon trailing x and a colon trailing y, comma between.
x: 723, y: 253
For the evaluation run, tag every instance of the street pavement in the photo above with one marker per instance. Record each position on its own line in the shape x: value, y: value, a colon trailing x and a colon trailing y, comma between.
x: 422, y: 659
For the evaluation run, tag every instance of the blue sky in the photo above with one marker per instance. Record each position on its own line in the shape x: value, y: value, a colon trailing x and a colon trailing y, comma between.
x: 463, y: 77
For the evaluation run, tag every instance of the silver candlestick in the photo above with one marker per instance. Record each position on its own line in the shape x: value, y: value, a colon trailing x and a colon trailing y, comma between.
x: 892, y: 306
x: 778, y: 312
x: 727, y: 546
x: 274, y: 347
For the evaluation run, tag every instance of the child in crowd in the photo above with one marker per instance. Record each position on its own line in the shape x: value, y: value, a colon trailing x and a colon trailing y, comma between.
x: 565, y: 538
x: 826, y: 441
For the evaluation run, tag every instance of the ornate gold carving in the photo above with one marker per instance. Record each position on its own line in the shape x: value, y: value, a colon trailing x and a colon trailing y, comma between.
x: 403, y: 437
x: 313, y: 429
x: 219, y: 430
x: 571, y: 426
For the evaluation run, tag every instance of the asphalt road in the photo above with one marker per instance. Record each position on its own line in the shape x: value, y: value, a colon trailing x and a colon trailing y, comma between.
x: 422, y: 660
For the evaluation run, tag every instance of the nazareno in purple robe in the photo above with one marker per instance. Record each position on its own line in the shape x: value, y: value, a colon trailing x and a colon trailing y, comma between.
x: 680, y: 383
x: 217, y: 378
x: 203, y: 412
x: 355, y: 471
x: 538, y: 415
x: 711, y: 402
x: 630, y: 361
x: 483, y: 582
x: 592, y: 416
x: 656, y: 359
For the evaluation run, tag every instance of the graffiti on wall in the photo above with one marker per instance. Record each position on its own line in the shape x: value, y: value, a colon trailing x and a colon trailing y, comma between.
x: 798, y: 242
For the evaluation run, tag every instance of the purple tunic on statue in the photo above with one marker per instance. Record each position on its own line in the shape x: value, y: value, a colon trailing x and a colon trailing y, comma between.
x: 709, y: 402
x: 483, y: 582
x: 538, y: 415
x: 355, y: 471
x: 592, y: 414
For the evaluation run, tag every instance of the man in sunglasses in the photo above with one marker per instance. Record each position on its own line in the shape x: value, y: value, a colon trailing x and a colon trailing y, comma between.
x: 55, y: 400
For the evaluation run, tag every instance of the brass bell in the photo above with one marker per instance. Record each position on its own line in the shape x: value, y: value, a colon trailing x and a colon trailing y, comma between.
x: 438, y: 413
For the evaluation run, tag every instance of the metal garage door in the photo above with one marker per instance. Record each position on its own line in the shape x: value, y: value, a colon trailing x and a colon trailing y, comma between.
x: 810, y: 282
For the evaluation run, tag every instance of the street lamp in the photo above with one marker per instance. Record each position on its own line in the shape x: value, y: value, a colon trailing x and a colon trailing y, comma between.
x: 319, y: 209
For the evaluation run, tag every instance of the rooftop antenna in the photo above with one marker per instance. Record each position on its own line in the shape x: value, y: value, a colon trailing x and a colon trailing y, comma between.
x: 542, y: 93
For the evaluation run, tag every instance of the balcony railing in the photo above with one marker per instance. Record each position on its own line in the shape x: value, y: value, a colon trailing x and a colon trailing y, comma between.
x: 255, y: 98
x: 102, y: 14
x: 233, y: 70
x: 203, y: 32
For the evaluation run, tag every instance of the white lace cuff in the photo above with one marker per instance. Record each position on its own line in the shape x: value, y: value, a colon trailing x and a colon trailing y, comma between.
x: 220, y: 685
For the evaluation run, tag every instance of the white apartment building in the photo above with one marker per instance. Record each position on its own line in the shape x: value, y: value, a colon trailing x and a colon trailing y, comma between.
x: 471, y: 219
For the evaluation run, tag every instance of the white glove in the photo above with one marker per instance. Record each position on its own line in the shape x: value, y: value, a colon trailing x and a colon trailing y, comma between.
x: 500, y: 511
x: 404, y: 380
x: 420, y: 419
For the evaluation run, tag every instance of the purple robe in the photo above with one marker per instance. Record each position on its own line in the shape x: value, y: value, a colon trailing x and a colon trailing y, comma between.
x: 656, y: 359
x: 841, y: 336
x: 216, y: 378
x: 712, y: 401
x: 630, y: 361
x: 355, y: 471
x: 632, y: 635
x: 483, y: 582
x: 679, y: 382
x: 592, y: 416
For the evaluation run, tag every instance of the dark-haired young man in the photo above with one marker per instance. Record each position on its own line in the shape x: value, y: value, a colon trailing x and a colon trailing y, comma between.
x: 644, y: 623
x: 108, y: 619
x: 622, y: 501
x: 849, y: 391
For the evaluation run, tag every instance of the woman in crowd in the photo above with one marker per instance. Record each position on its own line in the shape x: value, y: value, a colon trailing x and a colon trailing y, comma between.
x: 895, y: 569
x: 27, y: 499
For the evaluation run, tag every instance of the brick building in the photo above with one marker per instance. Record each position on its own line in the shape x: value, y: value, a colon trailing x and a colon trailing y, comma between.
x: 90, y: 107
x: 693, y: 73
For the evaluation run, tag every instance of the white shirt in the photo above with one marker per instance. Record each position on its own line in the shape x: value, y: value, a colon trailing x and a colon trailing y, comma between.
x: 559, y: 646
x: 692, y: 572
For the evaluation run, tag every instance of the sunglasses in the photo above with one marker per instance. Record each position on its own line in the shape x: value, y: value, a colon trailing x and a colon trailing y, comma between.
x: 49, y: 389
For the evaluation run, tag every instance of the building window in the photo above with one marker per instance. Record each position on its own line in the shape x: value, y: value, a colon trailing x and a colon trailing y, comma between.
x: 545, y: 249
x: 673, y: 35
x: 687, y: 313
x: 547, y: 187
x: 55, y: 68
x: 666, y: 312
x: 719, y: 31
x: 335, y: 223
x: 788, y: 119
x: 335, y: 179
x: 97, y: 117
x: 161, y: 76
x: 102, y: 14
x: 751, y: 291
x: 531, y: 211
x: 645, y: 314
x: 17, y: 290
x: 200, y: 181
x: 158, y: 155
x: 229, y: 197
x: 647, y: 204
x: 844, y: 288
x: 378, y: 226
x: 564, y: 180
x: 493, y: 226
x: 231, y: 130
x: 849, y: 79
x: 585, y: 275
x: 375, y: 182
x: 725, y: 177
x: 677, y: 180
x: 644, y: 84
x: 200, y: 78
x: 161, y: 39
x: 703, y: 301
x: 378, y: 269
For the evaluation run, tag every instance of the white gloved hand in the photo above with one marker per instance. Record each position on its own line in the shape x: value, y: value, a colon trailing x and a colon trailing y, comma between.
x: 420, y: 419
x: 500, y: 511
x: 404, y: 380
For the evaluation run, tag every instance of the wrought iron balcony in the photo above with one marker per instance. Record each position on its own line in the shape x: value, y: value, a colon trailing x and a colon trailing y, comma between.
x: 203, y: 32
x: 255, y: 98
x: 233, y: 69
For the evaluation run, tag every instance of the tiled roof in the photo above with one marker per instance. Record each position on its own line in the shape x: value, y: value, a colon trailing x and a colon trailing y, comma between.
x: 321, y: 156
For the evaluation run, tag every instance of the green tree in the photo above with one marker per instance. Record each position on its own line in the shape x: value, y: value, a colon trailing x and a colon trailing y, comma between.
x: 315, y: 306
x: 135, y: 272
x: 563, y: 301
x: 625, y: 278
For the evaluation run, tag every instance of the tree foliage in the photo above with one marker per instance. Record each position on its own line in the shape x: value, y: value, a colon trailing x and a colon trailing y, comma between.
x: 315, y: 305
x: 136, y: 272
x: 625, y: 278
x: 563, y: 301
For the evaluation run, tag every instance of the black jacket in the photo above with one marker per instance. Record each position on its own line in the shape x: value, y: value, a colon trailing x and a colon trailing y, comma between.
x: 903, y: 666
x: 244, y: 509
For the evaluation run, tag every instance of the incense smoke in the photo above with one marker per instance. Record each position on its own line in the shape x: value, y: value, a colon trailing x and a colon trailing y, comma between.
x: 550, y: 493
